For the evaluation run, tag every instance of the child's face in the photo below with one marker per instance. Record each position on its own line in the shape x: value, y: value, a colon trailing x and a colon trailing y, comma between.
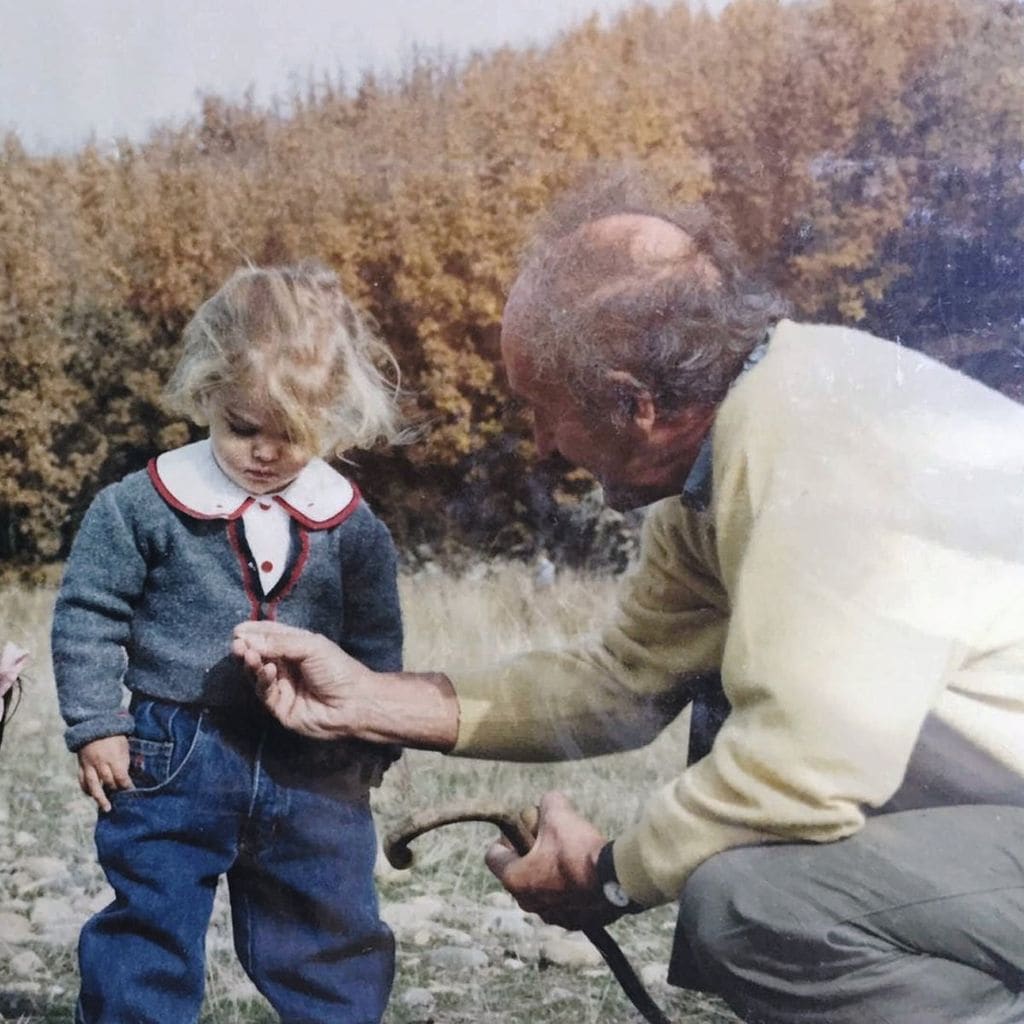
x: 250, y: 446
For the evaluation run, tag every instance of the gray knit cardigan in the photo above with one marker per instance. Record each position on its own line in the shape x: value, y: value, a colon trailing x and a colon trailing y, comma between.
x: 150, y: 596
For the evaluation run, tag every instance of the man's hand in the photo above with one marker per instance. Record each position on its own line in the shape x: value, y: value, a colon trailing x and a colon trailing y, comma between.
x: 557, y: 879
x: 308, y: 683
x: 312, y: 686
x: 103, y: 765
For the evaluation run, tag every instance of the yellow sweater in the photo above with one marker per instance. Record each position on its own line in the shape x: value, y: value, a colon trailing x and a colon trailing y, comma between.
x: 860, y: 570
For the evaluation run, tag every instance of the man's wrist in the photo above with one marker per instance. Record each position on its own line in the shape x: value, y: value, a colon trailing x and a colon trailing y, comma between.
x: 611, y: 889
x: 413, y: 709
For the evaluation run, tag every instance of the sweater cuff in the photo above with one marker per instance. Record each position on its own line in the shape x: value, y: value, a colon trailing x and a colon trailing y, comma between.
x: 633, y: 876
x: 110, y: 723
x: 655, y: 857
x: 490, y: 728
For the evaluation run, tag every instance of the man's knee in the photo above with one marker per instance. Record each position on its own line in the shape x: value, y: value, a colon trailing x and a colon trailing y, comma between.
x: 742, y: 920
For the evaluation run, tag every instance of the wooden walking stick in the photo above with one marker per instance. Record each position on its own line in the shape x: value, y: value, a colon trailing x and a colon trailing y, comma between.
x: 518, y: 829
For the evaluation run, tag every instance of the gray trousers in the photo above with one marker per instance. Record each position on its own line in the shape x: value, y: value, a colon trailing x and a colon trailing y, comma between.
x: 916, y: 919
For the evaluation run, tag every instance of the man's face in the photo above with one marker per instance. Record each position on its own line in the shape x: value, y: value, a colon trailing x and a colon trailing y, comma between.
x: 590, y: 436
x: 638, y: 451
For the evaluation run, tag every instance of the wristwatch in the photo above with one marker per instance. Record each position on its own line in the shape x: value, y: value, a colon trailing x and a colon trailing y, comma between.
x: 615, y: 896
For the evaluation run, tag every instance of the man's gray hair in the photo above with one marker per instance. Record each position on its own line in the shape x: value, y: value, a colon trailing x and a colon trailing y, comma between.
x: 682, y: 324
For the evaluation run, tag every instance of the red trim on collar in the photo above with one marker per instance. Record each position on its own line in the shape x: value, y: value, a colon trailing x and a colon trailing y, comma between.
x: 154, y: 476
x: 325, y: 524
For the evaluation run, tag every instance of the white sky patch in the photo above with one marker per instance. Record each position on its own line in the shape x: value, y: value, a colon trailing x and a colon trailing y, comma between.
x: 73, y: 68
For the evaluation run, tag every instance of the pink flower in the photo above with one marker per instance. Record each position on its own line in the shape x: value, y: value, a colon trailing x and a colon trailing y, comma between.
x: 12, y: 660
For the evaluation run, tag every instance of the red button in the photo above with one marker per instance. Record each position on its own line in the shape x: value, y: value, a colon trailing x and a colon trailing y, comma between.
x: 266, y: 508
x: 266, y: 566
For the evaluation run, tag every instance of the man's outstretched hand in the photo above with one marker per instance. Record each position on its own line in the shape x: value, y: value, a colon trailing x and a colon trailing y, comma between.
x: 308, y: 683
x: 314, y: 688
x: 557, y: 879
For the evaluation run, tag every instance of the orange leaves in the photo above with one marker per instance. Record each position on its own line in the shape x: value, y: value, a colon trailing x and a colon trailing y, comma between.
x: 868, y: 152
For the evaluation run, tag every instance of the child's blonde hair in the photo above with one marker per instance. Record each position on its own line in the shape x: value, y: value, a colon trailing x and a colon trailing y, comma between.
x: 291, y: 335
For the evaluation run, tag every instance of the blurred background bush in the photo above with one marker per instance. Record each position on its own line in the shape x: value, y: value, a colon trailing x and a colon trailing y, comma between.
x: 870, y: 154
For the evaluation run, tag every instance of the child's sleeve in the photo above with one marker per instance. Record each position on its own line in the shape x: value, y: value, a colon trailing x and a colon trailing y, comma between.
x: 372, y: 616
x: 103, y: 580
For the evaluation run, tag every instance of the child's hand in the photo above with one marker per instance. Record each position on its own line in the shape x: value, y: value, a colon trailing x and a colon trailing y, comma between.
x: 103, y: 765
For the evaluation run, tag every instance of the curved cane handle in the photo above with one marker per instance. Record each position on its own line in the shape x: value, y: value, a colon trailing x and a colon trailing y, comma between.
x: 518, y: 827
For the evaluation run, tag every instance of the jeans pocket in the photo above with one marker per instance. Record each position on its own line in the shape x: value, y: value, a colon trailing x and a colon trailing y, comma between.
x: 162, y: 744
x: 149, y: 762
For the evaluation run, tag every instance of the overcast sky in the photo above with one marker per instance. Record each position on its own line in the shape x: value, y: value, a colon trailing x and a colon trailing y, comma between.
x: 70, y: 68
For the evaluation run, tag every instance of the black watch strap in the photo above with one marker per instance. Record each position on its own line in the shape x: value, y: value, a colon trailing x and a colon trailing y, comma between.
x: 611, y: 889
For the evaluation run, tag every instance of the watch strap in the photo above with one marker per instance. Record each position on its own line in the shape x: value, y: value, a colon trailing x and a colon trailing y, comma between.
x: 615, y: 896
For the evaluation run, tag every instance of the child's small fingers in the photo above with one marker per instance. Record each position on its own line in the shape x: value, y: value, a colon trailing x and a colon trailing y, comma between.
x: 122, y: 780
x: 94, y: 787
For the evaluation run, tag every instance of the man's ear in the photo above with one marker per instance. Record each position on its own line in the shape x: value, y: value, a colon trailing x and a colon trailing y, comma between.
x: 633, y: 400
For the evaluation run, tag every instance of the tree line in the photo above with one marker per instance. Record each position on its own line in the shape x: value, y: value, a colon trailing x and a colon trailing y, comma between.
x: 869, y: 153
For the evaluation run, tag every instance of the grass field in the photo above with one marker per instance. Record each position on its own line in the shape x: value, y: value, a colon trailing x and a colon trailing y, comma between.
x: 465, y: 954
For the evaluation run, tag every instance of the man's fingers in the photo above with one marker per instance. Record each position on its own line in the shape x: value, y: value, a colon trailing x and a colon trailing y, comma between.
x: 274, y: 639
x: 273, y: 699
x: 249, y: 651
x: 503, y: 861
x: 500, y: 858
x: 513, y: 871
x: 281, y: 701
x: 266, y: 675
x: 277, y: 693
x: 241, y: 648
x: 552, y: 804
x: 265, y: 672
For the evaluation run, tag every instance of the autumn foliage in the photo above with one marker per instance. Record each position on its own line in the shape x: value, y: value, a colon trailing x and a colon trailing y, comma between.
x: 870, y: 154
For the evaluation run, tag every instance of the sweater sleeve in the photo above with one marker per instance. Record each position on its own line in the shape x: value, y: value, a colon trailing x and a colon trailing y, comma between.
x: 372, y: 616
x: 103, y: 580
x: 842, y: 637
x: 616, y: 691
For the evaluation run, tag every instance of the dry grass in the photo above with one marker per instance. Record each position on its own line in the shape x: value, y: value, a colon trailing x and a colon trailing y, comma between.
x: 450, y: 622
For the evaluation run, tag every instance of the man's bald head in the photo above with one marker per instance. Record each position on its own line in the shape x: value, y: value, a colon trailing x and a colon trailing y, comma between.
x: 645, y: 241
x: 656, y: 295
x: 623, y: 252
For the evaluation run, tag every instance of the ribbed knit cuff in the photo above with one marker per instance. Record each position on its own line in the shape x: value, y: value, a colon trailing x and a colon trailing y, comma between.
x: 110, y: 723
x: 487, y: 728
x: 630, y: 868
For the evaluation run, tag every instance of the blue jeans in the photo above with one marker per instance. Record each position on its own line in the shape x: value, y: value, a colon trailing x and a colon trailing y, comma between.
x: 288, y: 821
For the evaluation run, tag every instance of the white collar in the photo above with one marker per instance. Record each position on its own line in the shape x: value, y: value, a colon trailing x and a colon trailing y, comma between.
x: 190, y: 480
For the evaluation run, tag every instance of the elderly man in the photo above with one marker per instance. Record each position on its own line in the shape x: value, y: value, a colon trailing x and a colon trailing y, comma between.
x: 832, y: 574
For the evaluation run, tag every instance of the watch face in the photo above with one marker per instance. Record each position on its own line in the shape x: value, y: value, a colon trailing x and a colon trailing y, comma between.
x: 615, y: 894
